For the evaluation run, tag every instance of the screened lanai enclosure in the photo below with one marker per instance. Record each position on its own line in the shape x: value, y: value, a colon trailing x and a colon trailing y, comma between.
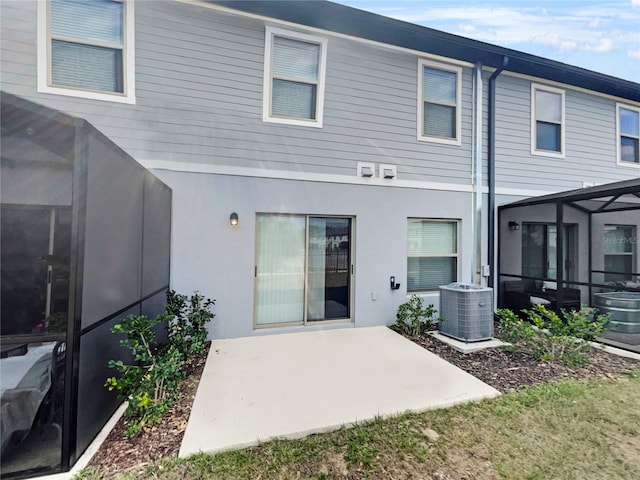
x: 85, y: 240
x: 576, y: 248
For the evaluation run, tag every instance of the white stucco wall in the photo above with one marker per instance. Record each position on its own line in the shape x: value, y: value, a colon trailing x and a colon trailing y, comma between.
x: 217, y: 259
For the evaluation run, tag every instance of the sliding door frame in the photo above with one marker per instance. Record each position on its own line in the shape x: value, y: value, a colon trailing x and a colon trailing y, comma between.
x: 351, y: 272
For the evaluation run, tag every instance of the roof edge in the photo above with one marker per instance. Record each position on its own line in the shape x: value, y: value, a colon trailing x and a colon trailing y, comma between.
x: 342, y: 19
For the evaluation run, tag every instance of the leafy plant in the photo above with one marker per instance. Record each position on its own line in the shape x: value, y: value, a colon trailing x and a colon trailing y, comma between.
x: 188, y: 318
x: 413, y: 318
x: 585, y: 323
x: 176, y: 314
x: 150, y: 383
x: 550, y: 337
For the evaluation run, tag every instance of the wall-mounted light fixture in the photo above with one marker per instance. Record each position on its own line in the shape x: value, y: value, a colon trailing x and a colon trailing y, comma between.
x: 233, y: 219
x: 513, y: 225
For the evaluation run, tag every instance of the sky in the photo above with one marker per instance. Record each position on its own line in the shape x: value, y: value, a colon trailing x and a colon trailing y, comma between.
x: 600, y: 35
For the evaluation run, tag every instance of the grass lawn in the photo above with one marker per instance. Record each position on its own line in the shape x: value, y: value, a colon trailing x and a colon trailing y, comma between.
x: 566, y: 430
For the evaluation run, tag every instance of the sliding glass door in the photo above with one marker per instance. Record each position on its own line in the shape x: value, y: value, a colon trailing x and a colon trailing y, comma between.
x: 540, y: 251
x: 303, y: 269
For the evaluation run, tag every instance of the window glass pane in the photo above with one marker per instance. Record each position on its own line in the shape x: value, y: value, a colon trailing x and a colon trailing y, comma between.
x: 428, y: 273
x: 280, y: 264
x: 618, y: 239
x: 86, y: 66
x: 293, y: 99
x: 329, y: 268
x: 621, y: 265
x: 89, y: 19
x: 292, y: 58
x: 439, y: 120
x: 548, y: 106
x: 439, y: 85
x: 629, y: 150
x: 431, y: 238
x: 534, y: 261
x: 548, y: 136
x: 629, y: 122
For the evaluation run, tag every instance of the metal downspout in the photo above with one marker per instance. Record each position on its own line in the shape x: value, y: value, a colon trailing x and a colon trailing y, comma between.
x: 476, y: 165
x: 492, y: 170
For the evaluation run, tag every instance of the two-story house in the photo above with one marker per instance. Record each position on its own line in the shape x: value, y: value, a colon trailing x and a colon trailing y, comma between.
x: 325, y: 162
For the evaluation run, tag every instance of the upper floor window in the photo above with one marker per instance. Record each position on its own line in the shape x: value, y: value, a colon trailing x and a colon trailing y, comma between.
x: 294, y: 71
x: 628, y: 135
x: 439, y: 103
x: 85, y: 49
x: 547, y: 121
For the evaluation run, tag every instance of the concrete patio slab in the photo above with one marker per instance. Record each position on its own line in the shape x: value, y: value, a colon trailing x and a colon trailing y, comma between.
x: 290, y: 385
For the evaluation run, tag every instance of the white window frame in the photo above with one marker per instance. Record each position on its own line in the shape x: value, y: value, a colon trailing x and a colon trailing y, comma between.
x: 563, y: 122
x: 128, y: 59
x: 422, y: 63
x: 621, y: 162
x: 632, y: 239
x: 457, y: 222
x: 270, y: 34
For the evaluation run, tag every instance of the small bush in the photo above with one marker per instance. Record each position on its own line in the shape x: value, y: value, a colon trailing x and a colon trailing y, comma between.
x: 413, y: 318
x: 548, y: 336
x: 151, y: 382
x: 188, y: 318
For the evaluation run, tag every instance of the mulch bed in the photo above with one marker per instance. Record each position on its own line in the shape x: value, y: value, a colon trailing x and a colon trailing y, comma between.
x: 505, y: 370
x: 502, y: 369
x: 119, y: 454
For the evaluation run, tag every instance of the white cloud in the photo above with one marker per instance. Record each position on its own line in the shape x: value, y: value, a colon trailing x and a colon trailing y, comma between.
x: 555, y: 41
x: 588, y: 32
x: 635, y: 54
x: 467, y: 28
x: 603, y: 45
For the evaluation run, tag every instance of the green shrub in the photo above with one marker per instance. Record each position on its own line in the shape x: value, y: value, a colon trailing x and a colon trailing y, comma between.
x: 188, y: 318
x: 548, y: 336
x: 150, y: 383
x: 413, y: 318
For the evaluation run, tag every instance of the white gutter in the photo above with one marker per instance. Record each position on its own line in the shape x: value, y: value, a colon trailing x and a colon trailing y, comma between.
x: 476, y: 168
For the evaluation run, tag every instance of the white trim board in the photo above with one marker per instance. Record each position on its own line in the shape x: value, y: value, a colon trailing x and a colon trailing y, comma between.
x: 173, y: 166
x: 302, y: 176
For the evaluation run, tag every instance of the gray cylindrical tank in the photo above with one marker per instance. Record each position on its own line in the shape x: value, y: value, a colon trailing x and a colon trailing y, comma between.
x: 624, y: 308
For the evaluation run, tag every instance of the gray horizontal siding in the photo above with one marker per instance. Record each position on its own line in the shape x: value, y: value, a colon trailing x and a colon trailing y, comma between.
x: 199, y: 76
x: 590, y: 139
